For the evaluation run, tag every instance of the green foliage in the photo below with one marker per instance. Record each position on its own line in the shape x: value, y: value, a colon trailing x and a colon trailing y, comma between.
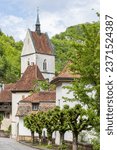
x: 40, y: 120
x: 96, y: 144
x: 9, y: 129
x: 1, y: 118
x: 63, y: 43
x: 9, y: 58
x: 63, y: 147
x: 30, y: 122
x: 43, y: 85
x: 62, y: 115
x: 79, y: 120
x: 85, y: 61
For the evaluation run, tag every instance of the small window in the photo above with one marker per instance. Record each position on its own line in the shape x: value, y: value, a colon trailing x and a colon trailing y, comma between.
x: 44, y: 65
x: 35, y: 106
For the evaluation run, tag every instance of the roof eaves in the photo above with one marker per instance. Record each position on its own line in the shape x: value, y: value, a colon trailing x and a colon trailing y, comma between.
x: 61, y: 79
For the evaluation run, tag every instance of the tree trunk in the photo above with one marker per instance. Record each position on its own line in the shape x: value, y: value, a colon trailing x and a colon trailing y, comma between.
x: 75, y: 141
x: 49, y: 138
x: 32, y: 136
x: 61, y: 138
x: 39, y: 138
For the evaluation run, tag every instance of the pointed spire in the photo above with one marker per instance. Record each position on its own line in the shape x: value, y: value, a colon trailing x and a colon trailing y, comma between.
x: 37, y: 25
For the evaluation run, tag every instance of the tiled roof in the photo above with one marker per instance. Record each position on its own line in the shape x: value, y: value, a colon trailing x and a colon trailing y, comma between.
x: 65, y: 75
x: 6, y: 95
x: 45, y: 106
x: 24, y: 109
x: 42, y: 43
x: 41, y: 96
x: 27, y: 81
x: 46, y: 101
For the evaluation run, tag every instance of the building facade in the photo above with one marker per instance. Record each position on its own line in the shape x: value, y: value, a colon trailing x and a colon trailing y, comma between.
x: 37, y: 64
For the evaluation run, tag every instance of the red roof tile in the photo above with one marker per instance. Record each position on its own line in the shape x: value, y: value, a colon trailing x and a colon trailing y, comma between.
x: 65, y: 75
x: 46, y: 106
x: 23, y: 109
x: 6, y: 95
x: 41, y: 43
x: 26, y: 82
x: 46, y: 101
x: 41, y: 96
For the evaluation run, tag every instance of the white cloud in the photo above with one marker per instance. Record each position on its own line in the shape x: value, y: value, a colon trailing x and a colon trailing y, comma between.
x: 13, y: 26
x: 55, y: 16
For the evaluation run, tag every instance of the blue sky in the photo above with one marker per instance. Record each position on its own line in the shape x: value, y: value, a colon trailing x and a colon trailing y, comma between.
x: 16, y: 16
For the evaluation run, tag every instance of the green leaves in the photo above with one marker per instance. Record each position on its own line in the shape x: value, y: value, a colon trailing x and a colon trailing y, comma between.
x: 9, y: 58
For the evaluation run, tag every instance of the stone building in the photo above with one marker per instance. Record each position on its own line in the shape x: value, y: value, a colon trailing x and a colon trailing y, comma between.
x: 6, y: 105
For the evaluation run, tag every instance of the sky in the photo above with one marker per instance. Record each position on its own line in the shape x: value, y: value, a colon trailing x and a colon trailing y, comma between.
x: 16, y: 16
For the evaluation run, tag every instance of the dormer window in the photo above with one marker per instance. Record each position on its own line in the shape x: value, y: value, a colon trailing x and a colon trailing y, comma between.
x: 44, y: 65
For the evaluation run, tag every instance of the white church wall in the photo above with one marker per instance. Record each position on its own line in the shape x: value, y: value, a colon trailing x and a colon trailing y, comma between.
x: 28, y: 47
x: 50, y: 61
x: 28, y: 53
x: 27, y: 60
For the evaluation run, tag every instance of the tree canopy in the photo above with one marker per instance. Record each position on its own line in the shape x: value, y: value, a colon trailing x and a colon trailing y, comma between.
x: 9, y: 58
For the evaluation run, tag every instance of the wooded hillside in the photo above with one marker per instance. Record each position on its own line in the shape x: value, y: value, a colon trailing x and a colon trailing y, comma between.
x: 9, y: 58
x: 10, y: 51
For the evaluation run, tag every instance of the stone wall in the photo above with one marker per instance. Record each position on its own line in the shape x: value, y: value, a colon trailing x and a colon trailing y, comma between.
x: 4, y: 134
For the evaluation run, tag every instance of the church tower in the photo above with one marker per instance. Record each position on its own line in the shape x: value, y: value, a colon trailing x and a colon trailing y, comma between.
x: 38, y: 50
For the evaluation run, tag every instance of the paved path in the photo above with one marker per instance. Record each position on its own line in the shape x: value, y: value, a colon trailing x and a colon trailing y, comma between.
x: 10, y: 144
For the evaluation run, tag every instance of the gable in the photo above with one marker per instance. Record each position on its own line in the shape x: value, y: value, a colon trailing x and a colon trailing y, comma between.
x: 27, y: 81
x: 28, y: 47
x: 42, y: 43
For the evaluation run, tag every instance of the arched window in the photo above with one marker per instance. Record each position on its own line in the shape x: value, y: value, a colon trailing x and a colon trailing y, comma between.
x: 44, y: 65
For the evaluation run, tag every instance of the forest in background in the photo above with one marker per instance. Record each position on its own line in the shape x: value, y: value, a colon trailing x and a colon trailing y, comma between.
x: 10, y: 51
x: 63, y: 43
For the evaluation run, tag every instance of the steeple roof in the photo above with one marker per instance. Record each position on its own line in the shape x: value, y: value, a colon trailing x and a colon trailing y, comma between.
x: 42, y: 43
x: 37, y: 25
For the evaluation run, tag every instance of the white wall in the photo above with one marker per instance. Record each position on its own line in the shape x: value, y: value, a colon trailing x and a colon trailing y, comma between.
x: 24, y: 61
x: 23, y: 131
x: 64, y: 92
x: 16, y: 97
x: 28, y: 52
x: 50, y: 60
x: 60, y: 93
x: 28, y: 47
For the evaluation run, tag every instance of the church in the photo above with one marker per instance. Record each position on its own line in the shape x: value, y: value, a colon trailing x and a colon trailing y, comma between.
x: 37, y: 64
